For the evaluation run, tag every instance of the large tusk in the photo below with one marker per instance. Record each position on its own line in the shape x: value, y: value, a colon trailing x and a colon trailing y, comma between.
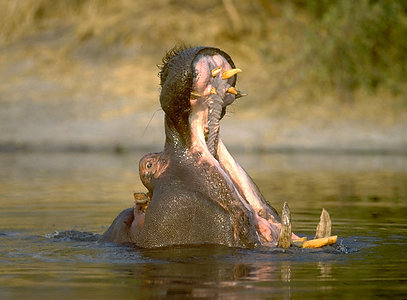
x: 230, y: 73
x: 318, y: 243
x: 216, y: 71
x: 284, y: 240
x: 324, y: 225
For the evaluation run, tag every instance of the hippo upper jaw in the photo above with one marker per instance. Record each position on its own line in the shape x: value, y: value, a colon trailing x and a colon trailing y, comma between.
x: 213, y: 90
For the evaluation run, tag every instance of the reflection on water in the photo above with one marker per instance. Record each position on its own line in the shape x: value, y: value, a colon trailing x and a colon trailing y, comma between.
x: 54, y: 205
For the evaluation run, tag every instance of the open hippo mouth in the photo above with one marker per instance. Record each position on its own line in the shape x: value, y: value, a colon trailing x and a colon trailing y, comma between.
x: 197, y: 192
x: 213, y: 90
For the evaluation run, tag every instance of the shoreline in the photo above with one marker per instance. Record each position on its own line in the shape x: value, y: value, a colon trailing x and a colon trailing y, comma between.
x: 240, y: 135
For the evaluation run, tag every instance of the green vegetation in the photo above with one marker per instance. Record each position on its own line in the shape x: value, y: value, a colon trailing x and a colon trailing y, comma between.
x: 361, y: 43
x: 328, y: 51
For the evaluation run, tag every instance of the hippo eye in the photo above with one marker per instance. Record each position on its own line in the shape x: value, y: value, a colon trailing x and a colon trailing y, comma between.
x: 149, y: 165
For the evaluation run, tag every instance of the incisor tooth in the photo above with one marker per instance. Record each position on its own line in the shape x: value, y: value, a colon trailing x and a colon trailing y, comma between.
x: 216, y: 71
x: 230, y: 73
x: 213, y: 91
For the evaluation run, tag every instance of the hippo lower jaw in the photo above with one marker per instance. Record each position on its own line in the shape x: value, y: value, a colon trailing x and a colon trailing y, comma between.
x: 213, y: 91
x: 267, y: 224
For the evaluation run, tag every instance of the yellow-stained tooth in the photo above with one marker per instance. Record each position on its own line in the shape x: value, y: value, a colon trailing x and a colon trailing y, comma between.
x: 232, y: 90
x: 317, y: 243
x: 299, y: 242
x: 213, y: 91
x: 230, y: 73
x: 216, y: 71
x: 303, y: 239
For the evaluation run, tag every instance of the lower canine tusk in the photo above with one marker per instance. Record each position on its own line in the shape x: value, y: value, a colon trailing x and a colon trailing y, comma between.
x: 318, y: 243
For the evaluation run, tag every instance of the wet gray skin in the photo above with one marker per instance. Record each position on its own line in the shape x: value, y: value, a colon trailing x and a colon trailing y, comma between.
x: 199, y: 194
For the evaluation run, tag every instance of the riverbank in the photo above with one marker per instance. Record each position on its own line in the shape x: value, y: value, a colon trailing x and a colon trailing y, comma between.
x: 88, y: 83
x: 116, y: 108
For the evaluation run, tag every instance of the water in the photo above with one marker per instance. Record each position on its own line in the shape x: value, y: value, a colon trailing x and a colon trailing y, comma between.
x: 53, y: 206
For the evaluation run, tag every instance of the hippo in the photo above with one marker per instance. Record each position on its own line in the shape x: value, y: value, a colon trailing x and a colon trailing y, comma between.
x: 197, y: 193
x: 150, y: 167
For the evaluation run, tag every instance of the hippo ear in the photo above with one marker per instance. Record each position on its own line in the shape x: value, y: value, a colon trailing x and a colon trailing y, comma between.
x: 167, y: 57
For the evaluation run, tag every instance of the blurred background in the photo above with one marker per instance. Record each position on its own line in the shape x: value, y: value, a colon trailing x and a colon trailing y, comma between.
x: 81, y: 75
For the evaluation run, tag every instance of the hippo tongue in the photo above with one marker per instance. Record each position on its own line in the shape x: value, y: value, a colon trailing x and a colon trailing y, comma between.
x: 215, y: 110
x: 217, y: 100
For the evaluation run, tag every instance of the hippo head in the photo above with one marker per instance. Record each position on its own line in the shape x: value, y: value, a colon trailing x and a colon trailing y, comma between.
x: 198, y: 194
x: 197, y: 80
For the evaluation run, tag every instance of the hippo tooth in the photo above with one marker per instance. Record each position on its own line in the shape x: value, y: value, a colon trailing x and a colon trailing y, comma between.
x: 230, y: 73
x: 232, y: 90
x: 235, y: 92
x: 239, y: 95
x: 284, y: 240
x: 141, y: 198
x: 318, y: 243
x: 324, y: 225
x: 216, y: 71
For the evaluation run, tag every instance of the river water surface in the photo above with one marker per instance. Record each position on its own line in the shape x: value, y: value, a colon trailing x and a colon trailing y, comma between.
x: 53, y: 206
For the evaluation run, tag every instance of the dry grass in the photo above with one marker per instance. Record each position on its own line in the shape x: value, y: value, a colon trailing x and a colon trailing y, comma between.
x: 111, y: 47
